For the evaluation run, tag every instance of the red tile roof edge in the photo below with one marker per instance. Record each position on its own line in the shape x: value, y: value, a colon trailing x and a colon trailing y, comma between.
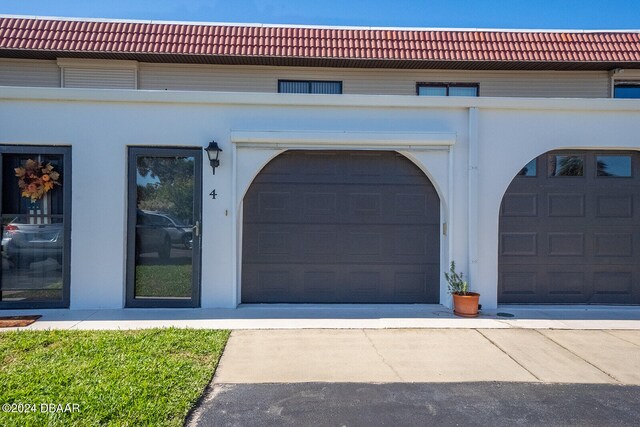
x: 85, y: 36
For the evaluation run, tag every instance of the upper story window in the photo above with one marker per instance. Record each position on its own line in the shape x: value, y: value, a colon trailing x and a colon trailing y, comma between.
x: 309, y: 86
x: 448, y: 89
x: 627, y: 90
x: 98, y: 73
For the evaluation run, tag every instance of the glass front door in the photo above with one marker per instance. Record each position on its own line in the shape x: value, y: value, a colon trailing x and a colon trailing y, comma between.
x: 164, y: 227
x: 35, y: 219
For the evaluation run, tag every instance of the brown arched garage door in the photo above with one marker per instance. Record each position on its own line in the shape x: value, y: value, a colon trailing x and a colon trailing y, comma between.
x: 570, y: 230
x: 341, y: 227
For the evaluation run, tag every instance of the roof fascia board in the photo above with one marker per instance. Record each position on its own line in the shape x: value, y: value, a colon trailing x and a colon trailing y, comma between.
x: 318, y: 62
x: 97, y: 63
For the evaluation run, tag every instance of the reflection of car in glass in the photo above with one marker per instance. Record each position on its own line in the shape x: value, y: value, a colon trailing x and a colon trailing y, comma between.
x: 23, y: 244
x: 159, y: 232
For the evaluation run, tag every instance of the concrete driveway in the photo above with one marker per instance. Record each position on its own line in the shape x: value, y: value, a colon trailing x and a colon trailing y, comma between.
x: 413, y: 376
x: 431, y: 355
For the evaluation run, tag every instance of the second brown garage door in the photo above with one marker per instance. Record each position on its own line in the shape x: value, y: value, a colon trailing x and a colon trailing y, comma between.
x: 570, y: 230
x: 341, y: 227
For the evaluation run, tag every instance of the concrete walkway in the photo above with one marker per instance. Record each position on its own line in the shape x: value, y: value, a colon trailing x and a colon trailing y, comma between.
x: 342, y: 316
x: 431, y: 355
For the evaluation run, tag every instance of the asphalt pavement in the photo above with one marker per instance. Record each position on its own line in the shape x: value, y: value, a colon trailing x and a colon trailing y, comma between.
x: 425, y: 404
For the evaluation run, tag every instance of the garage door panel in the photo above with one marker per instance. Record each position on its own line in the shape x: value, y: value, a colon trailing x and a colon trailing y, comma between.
x: 581, y: 242
x: 365, y: 229
x: 608, y: 246
x: 413, y: 205
x: 364, y: 164
x: 364, y: 204
x: 519, y: 283
x: 407, y: 204
x: 410, y: 243
x: 319, y: 286
x: 322, y: 167
x: 320, y: 204
x: 565, y: 205
x: 567, y: 284
x: 520, y: 205
x: 271, y: 242
x: 613, y: 286
x: 339, y: 283
x: 568, y: 249
x: 519, y: 244
x: 612, y: 205
x: 273, y: 203
x: 616, y: 284
x: 275, y: 243
x: 525, y: 285
x: 318, y: 243
x: 365, y: 242
x: 268, y: 204
x: 271, y: 285
x: 566, y: 244
x: 357, y: 204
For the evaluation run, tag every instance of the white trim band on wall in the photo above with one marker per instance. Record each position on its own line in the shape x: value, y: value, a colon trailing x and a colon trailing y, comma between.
x: 287, y: 139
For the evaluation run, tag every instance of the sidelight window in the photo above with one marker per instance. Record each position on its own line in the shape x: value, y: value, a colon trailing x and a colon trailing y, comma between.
x: 35, y: 219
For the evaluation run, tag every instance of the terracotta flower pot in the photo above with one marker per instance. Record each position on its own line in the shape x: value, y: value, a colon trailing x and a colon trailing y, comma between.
x: 466, y: 305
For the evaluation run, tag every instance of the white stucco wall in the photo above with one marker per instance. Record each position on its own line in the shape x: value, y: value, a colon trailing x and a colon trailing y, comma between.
x: 434, y: 133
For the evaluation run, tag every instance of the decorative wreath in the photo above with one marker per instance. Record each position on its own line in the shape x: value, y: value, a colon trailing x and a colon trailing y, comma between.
x: 35, y: 180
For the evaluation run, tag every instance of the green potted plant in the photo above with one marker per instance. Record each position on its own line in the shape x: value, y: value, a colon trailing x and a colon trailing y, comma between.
x: 465, y: 303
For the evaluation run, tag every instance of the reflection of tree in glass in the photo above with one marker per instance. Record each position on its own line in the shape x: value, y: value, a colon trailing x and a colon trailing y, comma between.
x: 172, y: 192
x: 602, y: 168
x: 529, y: 169
x: 569, y: 166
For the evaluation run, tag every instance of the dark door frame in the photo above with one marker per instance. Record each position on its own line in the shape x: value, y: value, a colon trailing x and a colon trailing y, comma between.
x: 65, y: 152
x: 134, y: 152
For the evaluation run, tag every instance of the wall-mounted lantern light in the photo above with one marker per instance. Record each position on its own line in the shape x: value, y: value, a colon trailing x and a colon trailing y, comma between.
x: 213, y: 151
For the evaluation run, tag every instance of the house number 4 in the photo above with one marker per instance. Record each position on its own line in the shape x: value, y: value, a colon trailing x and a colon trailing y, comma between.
x: 213, y: 194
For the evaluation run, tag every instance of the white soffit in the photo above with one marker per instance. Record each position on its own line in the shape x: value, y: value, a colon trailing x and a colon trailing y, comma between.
x: 309, y: 139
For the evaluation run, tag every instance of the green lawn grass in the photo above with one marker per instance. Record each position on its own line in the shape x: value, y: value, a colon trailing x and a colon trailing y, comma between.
x: 147, y: 377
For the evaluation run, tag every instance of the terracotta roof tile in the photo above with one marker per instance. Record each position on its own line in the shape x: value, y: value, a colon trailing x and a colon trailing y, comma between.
x: 326, y: 43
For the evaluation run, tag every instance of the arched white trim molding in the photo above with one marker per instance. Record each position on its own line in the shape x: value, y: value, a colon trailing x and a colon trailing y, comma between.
x: 253, y: 150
